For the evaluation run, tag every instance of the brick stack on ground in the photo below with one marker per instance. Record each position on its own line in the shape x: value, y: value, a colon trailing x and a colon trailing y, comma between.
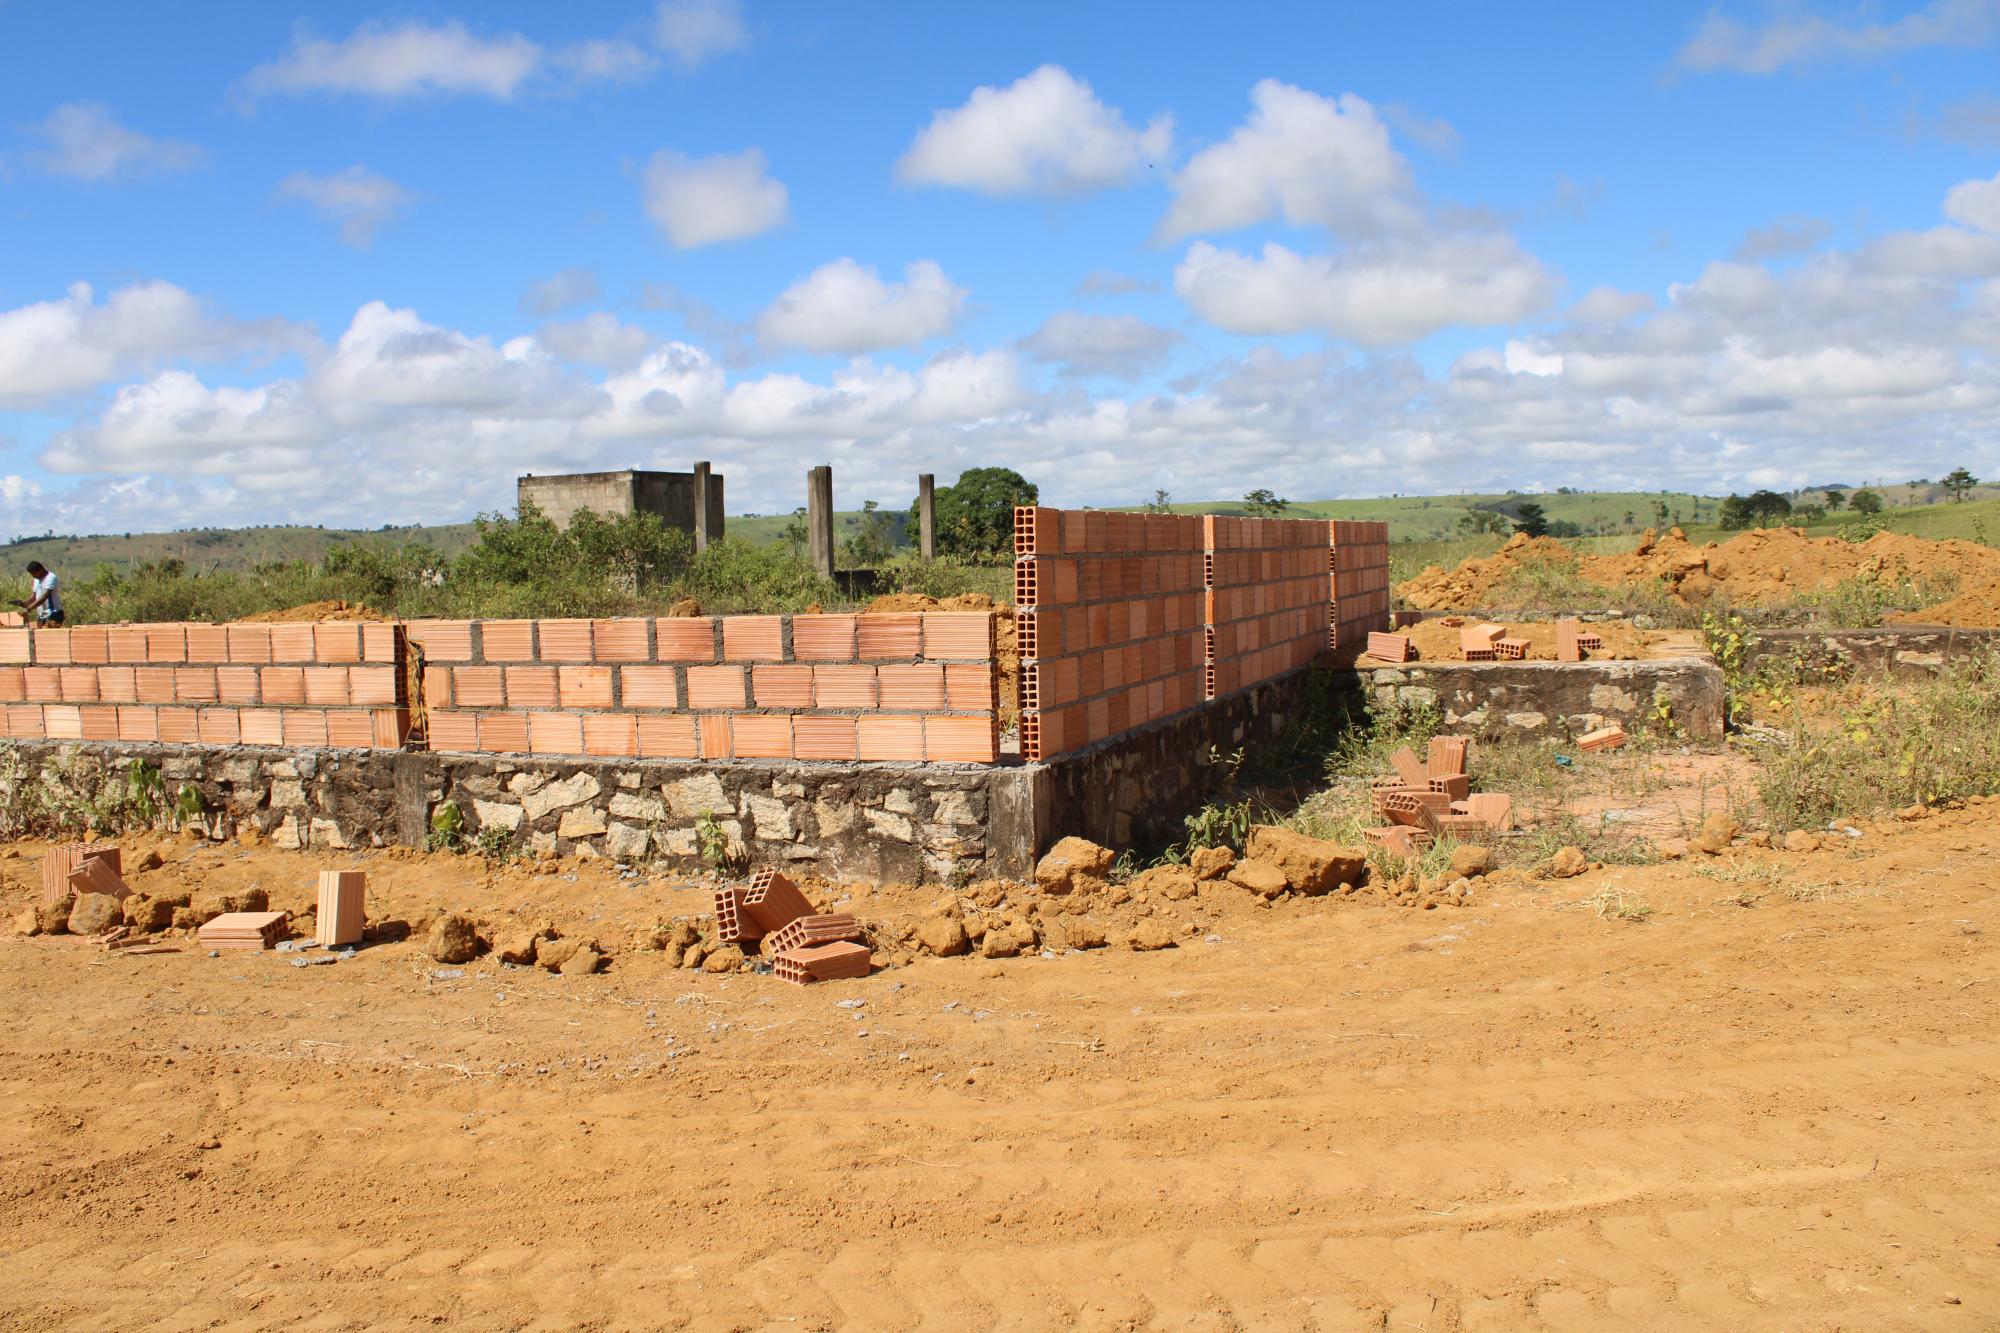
x: 804, y: 944
x: 1424, y: 798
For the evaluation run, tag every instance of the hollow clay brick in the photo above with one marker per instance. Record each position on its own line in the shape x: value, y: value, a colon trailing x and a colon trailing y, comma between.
x: 889, y: 637
x: 531, y: 687
x: 822, y: 928
x: 753, y: 638
x: 761, y: 735
x: 14, y: 686
x: 326, y: 686
x: 782, y: 685
x: 341, y: 918
x: 685, y: 638
x: 507, y: 640
x: 441, y: 640
x: 233, y: 684
x: 349, y: 729
x: 628, y: 639
x: 564, y: 640
x: 844, y: 686
x: 670, y: 737
x: 277, y: 684
x: 292, y: 643
x: 137, y: 723
x: 911, y: 686
x: 378, y: 642
x: 208, y: 643
x: 391, y: 727
x: 337, y: 641
x: 194, y: 685
x: 716, y: 687
x: 1408, y: 767
x: 823, y: 638
x: 959, y: 635
x: 503, y: 732
x: 584, y: 686
x: 555, y: 733
x: 44, y: 684
x: 613, y: 735
x: 648, y: 687
x: 961, y: 740
x: 733, y: 924
x: 823, y: 737
x: 478, y: 686
x: 90, y: 646
x: 458, y: 732
x: 1447, y: 756
x: 305, y: 728
x: 249, y: 644
x: 372, y: 684
x: 890, y: 738
x: 774, y: 902
x: 77, y: 684
x: 824, y: 962
x: 262, y: 726
x: 100, y: 722
x: 971, y: 686
x: 218, y: 726
x: 14, y: 645
x: 52, y: 648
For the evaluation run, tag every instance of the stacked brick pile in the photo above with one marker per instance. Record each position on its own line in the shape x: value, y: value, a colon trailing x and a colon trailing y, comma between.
x: 913, y: 687
x: 1108, y: 622
x: 1426, y: 797
x: 335, y: 683
x: 1265, y: 606
x: 1358, y: 558
x: 804, y: 944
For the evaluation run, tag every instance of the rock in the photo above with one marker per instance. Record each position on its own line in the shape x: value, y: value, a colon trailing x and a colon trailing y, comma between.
x: 582, y: 963
x: 1150, y: 935
x: 1259, y: 877
x: 518, y: 948
x: 1913, y: 812
x: 95, y: 913
x: 626, y: 842
x: 1471, y: 861
x: 1798, y: 840
x: 1759, y: 838
x: 552, y: 954
x: 572, y: 790
x: 1671, y: 849
x: 999, y: 944
x: 1568, y: 863
x: 147, y: 915
x: 151, y: 861
x: 1085, y: 935
x: 585, y: 821
x: 727, y: 958
x: 454, y: 939
x: 498, y: 814
x: 1211, y: 862
x: 208, y: 906
x: 28, y: 922
x: 694, y: 953
x: 1067, y: 861
x: 1310, y: 865
x: 1717, y: 832
x: 54, y: 917
x: 1174, y: 883
x: 944, y: 936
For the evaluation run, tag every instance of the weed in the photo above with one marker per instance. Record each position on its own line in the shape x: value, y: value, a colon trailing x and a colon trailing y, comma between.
x: 713, y: 845
x: 1729, y: 641
x: 1617, y: 905
x: 447, y: 831
x: 1862, y: 603
x: 495, y: 843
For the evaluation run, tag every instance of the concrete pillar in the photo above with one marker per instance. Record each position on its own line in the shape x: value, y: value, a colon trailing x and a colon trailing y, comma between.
x: 819, y: 518
x: 715, y: 480
x: 701, y: 506
x: 926, y: 516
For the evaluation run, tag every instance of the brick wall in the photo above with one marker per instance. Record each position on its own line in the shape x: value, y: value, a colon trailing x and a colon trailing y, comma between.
x: 301, y: 685
x: 909, y: 687
x: 1266, y: 599
x: 1358, y: 564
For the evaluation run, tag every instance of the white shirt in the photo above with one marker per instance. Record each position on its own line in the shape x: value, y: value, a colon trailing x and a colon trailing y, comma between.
x: 53, y: 606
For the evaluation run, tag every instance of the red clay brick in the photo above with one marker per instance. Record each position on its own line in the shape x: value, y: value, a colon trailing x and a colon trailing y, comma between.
x: 912, y: 686
x: 761, y: 735
x: 262, y: 726
x: 337, y: 641
x: 90, y: 646
x: 292, y: 643
x: 326, y: 686
x: 782, y: 685
x: 436, y: 687
x: 753, y: 638
x: 52, y: 647
x: 14, y: 689
x: 670, y: 737
x: 305, y: 728
x: 685, y: 638
x: 25, y: 721
x: 584, y: 687
x: 207, y: 643
x: 844, y: 686
x: 372, y: 684
x: 41, y: 684
x: 441, y: 640
x: 234, y: 684
x: 194, y: 685
x: 249, y: 644
x: 622, y: 640
x: 823, y: 638
x: 648, y: 687
x: 555, y: 733
x: 716, y: 687
x: 478, y: 686
x: 458, y: 732
x: 890, y: 738
x: 179, y: 726
x: 958, y: 634
x: 219, y: 726
x: 773, y: 902
x: 279, y: 685
x: 100, y: 722
x: 896, y: 635
x: 564, y: 640
x: 77, y: 684
x: 391, y: 727
x: 961, y: 740
x: 532, y: 687
x: 507, y: 641
x: 734, y: 925
x: 824, y: 962
x: 14, y: 645
x: 971, y: 686
x: 138, y: 724
x: 819, y: 928
x: 823, y: 737
x: 349, y: 729
x: 714, y: 736
x: 612, y: 734
x: 378, y: 642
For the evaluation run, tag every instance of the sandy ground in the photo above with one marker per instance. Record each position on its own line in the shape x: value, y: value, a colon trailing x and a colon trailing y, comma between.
x: 1323, y: 1115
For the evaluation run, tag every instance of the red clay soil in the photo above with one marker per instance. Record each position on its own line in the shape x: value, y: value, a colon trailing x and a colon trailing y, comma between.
x: 332, y: 610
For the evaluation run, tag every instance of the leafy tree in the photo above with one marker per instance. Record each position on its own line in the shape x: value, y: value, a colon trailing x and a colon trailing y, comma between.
x: 795, y: 534
x: 1482, y: 520
x: 975, y: 514
x: 868, y: 545
x: 1630, y: 519
x: 1529, y: 518
x: 1760, y: 508
x: 1835, y: 497
x: 1161, y: 503
x: 1865, y: 502
x: 1958, y: 482
x: 1809, y: 513
x: 1660, y: 512
x: 1265, y: 502
x: 1735, y: 513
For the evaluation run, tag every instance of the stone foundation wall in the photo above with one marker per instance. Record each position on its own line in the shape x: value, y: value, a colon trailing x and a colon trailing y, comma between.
x: 1896, y: 650
x: 1540, y: 700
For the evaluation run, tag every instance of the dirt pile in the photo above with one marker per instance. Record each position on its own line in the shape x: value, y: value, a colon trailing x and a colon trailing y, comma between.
x: 1483, y: 581
x: 330, y: 610
x: 1003, y: 636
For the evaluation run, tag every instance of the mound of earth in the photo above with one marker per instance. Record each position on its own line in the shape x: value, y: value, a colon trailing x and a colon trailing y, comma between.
x: 330, y: 610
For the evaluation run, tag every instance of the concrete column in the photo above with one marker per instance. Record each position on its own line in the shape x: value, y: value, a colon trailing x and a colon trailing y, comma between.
x: 819, y: 518
x: 926, y: 516
x: 715, y: 480
x: 701, y: 506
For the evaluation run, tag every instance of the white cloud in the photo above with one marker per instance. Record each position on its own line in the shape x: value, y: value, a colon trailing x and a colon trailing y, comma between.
x: 1608, y: 305
x: 1312, y: 160
x: 1372, y: 295
x: 605, y: 60
x: 393, y: 60
x: 86, y: 142
x: 1120, y: 346
x: 392, y: 358
x: 699, y: 201
x: 559, y: 291
x: 358, y: 199
x: 691, y: 31
x: 1046, y: 133
x: 597, y: 339
x: 1976, y: 203
x: 1785, y: 236
x: 52, y: 349
x: 844, y: 307
x: 1796, y: 37
x: 1104, y: 282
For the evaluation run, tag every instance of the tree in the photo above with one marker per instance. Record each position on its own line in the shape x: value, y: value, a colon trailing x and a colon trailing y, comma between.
x: 1835, y: 497
x: 1630, y: 518
x: 868, y: 545
x: 1529, y: 518
x: 975, y: 514
x: 1765, y: 507
x: 1161, y: 503
x: 1482, y: 520
x: 1660, y: 512
x: 1735, y: 513
x: 1865, y: 502
x: 1265, y: 502
x: 1809, y: 513
x: 1958, y: 482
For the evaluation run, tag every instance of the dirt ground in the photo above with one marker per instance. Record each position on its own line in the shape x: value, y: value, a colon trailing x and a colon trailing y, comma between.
x: 1439, y: 641
x: 1761, y: 1096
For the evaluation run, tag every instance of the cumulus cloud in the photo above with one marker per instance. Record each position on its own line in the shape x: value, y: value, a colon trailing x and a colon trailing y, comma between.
x: 1609, y: 305
x: 1795, y: 37
x: 86, y: 142
x: 1371, y: 295
x: 1104, y: 282
x: 392, y: 358
x: 1976, y: 203
x: 358, y: 199
x: 1045, y: 133
x: 697, y: 201
x: 394, y: 60
x: 1782, y: 237
x: 1120, y: 346
x: 692, y: 31
x: 51, y: 349
x: 598, y: 339
x: 605, y: 60
x: 559, y: 291
x: 846, y: 307
x: 1311, y: 160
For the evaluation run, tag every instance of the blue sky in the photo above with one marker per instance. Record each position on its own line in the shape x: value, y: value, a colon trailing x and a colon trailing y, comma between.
x: 360, y: 265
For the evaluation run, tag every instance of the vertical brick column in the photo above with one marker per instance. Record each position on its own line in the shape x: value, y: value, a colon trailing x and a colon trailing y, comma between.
x: 1264, y: 610
x: 1358, y: 565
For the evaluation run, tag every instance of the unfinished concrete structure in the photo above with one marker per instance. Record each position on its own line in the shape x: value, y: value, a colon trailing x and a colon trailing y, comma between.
x: 690, y: 501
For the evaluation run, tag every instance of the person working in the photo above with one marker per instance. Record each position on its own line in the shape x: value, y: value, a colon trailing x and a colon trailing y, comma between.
x: 47, y: 601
